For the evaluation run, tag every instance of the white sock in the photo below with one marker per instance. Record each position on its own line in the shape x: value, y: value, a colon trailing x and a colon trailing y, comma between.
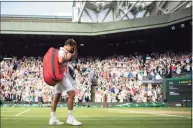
x: 53, y: 114
x: 69, y: 113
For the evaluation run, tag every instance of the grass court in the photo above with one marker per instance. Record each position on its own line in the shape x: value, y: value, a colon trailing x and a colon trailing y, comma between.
x: 31, y: 117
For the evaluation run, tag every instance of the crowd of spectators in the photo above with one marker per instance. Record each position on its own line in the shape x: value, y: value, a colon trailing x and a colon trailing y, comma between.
x: 119, y: 77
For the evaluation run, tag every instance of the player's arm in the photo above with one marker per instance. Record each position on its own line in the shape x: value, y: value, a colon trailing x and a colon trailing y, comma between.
x: 68, y: 56
x: 65, y: 58
x: 75, y: 54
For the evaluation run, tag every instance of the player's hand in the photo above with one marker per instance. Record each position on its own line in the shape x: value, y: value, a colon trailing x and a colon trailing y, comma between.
x: 68, y: 56
x: 74, y: 42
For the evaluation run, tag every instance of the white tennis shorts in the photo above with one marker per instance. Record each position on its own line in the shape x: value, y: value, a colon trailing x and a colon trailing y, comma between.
x: 66, y: 84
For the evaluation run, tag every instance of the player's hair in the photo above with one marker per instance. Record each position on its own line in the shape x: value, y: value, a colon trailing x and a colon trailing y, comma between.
x: 70, y: 42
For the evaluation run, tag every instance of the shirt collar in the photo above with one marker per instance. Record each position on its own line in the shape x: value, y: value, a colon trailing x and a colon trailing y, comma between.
x: 62, y: 48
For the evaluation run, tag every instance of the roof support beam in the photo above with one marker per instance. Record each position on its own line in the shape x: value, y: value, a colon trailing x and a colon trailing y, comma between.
x: 88, y: 14
x: 178, y: 7
x: 160, y: 9
x: 81, y: 11
x: 129, y: 10
x: 124, y: 13
x: 109, y: 9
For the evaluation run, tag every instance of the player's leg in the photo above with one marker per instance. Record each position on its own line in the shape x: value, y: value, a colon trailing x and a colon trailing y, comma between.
x: 39, y: 101
x: 69, y: 88
x: 42, y: 102
x: 54, y: 104
x: 106, y: 104
x: 71, y: 95
x: 53, y: 119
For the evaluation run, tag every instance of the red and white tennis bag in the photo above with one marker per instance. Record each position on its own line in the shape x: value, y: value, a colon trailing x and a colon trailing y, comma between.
x: 52, y: 70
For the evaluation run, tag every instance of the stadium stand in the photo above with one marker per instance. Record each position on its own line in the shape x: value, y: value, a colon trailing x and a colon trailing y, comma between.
x: 120, y: 77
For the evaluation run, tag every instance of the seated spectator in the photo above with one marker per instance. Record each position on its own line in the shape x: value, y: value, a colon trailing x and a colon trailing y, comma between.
x: 120, y: 75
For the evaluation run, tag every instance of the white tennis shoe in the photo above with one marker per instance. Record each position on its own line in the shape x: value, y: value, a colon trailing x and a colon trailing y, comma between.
x: 55, y: 121
x: 72, y: 121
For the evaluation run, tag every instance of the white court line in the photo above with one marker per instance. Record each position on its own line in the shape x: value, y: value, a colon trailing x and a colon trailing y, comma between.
x: 124, y: 111
x: 14, y: 105
x: 159, y: 114
x: 22, y: 112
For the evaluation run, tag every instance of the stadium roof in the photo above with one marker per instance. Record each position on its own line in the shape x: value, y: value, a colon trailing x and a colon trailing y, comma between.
x: 35, y: 16
x: 100, y: 11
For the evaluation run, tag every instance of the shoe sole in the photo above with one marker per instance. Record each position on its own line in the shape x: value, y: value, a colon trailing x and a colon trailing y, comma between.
x: 73, y: 124
x: 56, y: 124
